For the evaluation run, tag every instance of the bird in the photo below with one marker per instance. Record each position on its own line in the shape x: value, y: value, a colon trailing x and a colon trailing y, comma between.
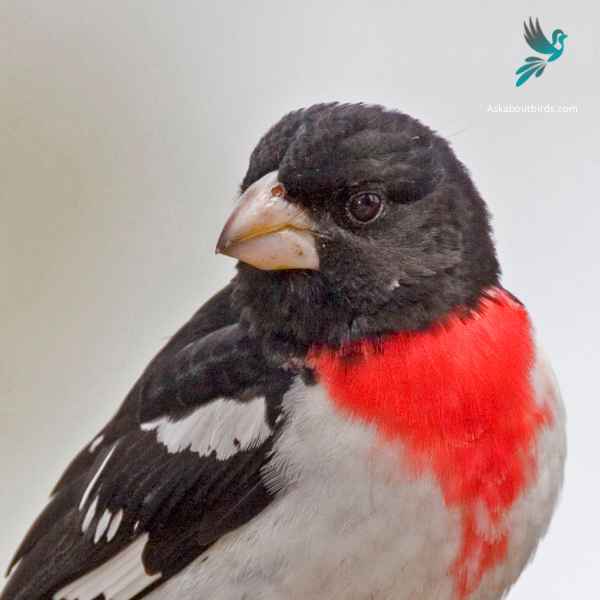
x: 363, y: 412
x: 538, y: 41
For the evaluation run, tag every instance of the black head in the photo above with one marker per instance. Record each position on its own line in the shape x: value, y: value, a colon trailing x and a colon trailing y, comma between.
x: 401, y: 233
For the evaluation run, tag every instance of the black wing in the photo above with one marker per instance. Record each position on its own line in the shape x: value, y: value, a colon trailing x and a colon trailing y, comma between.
x: 155, y: 488
x: 535, y: 37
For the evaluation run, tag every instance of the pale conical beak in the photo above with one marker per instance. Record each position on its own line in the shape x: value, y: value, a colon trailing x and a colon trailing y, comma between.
x: 269, y: 232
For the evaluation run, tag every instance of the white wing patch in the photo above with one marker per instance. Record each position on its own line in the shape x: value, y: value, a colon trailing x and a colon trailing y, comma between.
x: 102, y: 526
x: 89, y: 516
x: 107, y: 524
x: 120, y: 578
x: 92, y: 483
x: 96, y: 443
x: 222, y: 426
x: 114, y: 526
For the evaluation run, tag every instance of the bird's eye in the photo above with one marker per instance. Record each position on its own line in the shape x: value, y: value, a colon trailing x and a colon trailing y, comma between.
x: 365, y: 206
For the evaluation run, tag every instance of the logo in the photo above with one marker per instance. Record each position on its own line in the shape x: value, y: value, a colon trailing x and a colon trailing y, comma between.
x: 536, y: 39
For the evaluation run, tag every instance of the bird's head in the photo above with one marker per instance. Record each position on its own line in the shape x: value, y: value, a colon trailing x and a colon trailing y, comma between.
x: 355, y: 222
x: 558, y: 37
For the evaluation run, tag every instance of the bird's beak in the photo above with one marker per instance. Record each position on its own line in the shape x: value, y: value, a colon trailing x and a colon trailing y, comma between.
x: 267, y: 231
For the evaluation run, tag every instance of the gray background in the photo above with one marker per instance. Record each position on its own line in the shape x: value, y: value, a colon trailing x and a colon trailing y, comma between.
x: 125, y: 128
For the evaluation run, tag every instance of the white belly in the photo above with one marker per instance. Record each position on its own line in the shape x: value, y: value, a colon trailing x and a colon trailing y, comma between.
x: 351, y: 523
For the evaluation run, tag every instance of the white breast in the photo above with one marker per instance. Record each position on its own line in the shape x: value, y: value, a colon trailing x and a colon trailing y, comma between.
x: 352, y: 524
x: 530, y: 517
x: 348, y: 524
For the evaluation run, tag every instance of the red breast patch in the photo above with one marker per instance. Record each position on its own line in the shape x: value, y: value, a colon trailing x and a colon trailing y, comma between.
x: 459, y: 396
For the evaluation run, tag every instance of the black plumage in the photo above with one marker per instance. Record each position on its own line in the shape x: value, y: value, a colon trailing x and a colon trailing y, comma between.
x: 433, y: 241
x: 429, y: 252
x: 183, y: 501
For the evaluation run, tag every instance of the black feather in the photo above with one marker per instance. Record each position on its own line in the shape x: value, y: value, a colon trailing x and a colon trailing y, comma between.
x: 429, y: 254
x: 184, y: 501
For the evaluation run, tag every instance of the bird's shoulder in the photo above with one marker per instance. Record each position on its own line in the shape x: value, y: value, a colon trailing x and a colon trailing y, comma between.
x: 177, y: 467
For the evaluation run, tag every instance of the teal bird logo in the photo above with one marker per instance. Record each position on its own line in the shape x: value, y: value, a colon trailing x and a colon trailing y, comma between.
x: 537, y: 40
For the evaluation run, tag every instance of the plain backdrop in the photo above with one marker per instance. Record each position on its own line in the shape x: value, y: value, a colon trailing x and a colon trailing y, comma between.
x: 125, y: 129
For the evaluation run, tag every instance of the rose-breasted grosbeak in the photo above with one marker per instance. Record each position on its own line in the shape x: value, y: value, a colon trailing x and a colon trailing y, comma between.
x: 361, y: 414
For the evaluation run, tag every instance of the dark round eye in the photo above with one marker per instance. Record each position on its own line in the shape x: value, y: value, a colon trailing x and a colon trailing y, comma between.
x: 365, y: 206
